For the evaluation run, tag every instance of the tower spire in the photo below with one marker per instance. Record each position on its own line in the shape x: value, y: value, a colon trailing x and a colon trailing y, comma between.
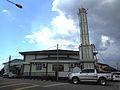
x: 87, y: 59
x: 83, y: 26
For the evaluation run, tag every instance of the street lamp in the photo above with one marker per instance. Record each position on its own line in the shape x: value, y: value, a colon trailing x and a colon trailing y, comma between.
x: 18, y: 5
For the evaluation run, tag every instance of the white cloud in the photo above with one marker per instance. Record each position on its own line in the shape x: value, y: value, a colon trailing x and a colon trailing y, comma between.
x: 8, y: 14
x: 104, y: 40
x: 45, y: 38
x: 41, y: 36
x: 63, y: 24
x: 62, y: 32
x: 106, y: 46
x: 5, y: 10
x: 54, y: 8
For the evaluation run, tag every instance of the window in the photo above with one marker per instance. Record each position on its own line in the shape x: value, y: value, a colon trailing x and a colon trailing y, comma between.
x: 91, y: 70
x: 88, y: 71
x: 85, y: 71
x: 44, y: 65
x: 38, y: 66
x: 71, y: 65
x: 58, y: 68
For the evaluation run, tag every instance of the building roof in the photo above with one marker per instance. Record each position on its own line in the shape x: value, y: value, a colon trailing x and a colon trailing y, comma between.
x: 51, y: 52
x: 14, y: 61
x: 59, y: 58
x: 102, y: 64
x: 107, y: 68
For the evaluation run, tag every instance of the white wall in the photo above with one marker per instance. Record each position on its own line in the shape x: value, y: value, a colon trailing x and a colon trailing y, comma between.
x: 74, y: 56
x: 29, y: 58
x: 26, y: 68
x: 41, y: 56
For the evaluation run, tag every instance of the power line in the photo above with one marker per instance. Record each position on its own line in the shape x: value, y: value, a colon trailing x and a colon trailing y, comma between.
x: 100, y: 55
x: 70, y: 46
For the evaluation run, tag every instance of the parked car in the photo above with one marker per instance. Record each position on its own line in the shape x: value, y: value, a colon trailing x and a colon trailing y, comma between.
x: 116, y: 76
x: 9, y: 75
x: 89, y: 75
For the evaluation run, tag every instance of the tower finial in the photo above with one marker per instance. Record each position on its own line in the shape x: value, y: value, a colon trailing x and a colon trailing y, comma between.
x: 81, y: 6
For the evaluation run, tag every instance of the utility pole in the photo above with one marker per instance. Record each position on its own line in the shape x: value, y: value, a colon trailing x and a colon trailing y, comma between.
x: 9, y: 64
x: 57, y: 64
x: 117, y: 64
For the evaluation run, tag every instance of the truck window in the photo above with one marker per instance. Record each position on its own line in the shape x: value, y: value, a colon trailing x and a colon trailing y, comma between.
x: 91, y: 70
x: 85, y: 71
x: 88, y: 71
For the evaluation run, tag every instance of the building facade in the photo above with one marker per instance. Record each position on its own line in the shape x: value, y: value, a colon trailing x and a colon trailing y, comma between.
x: 49, y: 63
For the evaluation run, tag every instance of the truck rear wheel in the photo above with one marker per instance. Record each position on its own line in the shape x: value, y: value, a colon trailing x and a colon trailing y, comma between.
x: 102, y: 81
x: 75, y: 80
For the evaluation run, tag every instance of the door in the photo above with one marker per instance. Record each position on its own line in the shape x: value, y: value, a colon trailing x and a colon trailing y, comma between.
x: 83, y: 74
x: 92, y: 75
x: 88, y: 74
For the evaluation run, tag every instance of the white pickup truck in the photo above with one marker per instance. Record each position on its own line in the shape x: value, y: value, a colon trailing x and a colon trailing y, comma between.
x: 89, y: 75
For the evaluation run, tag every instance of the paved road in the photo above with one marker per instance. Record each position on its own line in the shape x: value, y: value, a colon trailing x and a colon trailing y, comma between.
x: 26, y: 84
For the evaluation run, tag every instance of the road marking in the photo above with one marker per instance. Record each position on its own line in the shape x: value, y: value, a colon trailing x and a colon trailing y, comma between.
x: 26, y: 87
x: 54, y: 85
x: 11, y: 85
x: 6, y: 83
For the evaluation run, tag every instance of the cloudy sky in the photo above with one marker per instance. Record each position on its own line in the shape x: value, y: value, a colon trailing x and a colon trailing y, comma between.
x: 42, y: 24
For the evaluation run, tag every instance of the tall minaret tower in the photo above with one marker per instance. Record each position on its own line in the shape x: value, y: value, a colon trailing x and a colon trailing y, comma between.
x: 87, y: 58
x: 84, y: 26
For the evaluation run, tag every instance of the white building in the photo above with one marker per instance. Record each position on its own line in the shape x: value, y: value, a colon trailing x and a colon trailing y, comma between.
x: 49, y: 63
